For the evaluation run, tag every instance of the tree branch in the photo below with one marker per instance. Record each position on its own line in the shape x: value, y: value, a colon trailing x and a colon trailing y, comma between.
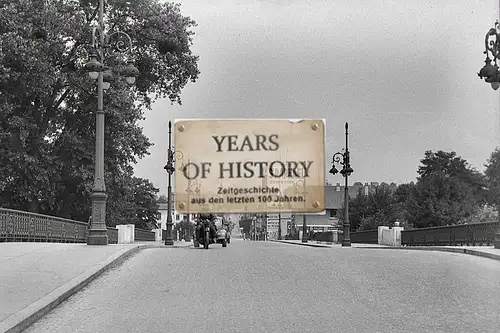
x: 61, y: 99
x: 50, y: 110
x: 93, y: 15
x: 118, y: 21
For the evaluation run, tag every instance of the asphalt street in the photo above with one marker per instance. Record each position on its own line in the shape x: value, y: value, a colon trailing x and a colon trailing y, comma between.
x: 275, y: 287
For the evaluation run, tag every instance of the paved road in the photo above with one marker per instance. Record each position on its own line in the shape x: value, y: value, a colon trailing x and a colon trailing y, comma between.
x: 272, y: 287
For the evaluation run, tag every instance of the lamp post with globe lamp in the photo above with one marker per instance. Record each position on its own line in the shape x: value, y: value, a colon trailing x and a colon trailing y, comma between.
x: 116, y: 44
x: 491, y: 74
x: 343, y: 159
x: 169, y: 167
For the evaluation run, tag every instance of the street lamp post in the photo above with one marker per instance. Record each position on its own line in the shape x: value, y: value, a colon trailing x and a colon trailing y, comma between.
x: 343, y: 159
x: 279, y: 226
x: 304, y: 229
x: 491, y: 74
x: 169, y: 240
x: 102, y: 46
x: 300, y: 187
x: 266, y: 233
x: 255, y: 228
x: 254, y: 223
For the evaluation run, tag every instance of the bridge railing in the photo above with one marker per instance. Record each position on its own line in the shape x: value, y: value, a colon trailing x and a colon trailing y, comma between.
x: 365, y: 237
x: 19, y: 226
x: 142, y: 235
x: 453, y: 235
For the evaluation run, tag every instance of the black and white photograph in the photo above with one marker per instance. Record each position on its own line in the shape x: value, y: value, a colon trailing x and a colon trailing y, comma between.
x: 247, y: 166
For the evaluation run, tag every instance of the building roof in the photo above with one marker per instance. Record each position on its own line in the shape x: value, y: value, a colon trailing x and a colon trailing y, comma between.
x: 334, y: 194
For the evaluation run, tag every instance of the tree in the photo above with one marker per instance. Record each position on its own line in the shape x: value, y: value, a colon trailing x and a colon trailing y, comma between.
x: 401, y: 199
x: 448, y: 191
x: 185, y: 228
x: 358, y: 210
x: 367, y: 212
x: 134, y: 203
x: 162, y: 199
x: 47, y: 123
x: 486, y: 213
x: 492, y: 173
x: 144, y: 203
x: 246, y: 224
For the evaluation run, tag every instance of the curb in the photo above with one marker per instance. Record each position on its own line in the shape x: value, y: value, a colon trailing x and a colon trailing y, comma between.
x: 304, y: 244
x: 440, y: 249
x: 421, y: 248
x: 32, y: 313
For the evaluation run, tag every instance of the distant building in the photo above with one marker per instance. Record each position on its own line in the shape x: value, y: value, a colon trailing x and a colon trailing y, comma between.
x: 176, y: 216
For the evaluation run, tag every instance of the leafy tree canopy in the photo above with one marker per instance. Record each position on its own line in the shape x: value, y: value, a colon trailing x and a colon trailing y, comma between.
x: 48, y: 103
x: 492, y: 174
x: 448, y: 191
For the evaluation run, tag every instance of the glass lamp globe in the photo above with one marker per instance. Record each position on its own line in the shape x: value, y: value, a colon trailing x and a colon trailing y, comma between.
x: 130, y: 80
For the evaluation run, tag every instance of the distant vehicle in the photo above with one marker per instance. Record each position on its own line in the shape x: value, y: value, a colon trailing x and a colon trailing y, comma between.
x: 223, y: 231
x: 222, y: 235
x: 209, y: 230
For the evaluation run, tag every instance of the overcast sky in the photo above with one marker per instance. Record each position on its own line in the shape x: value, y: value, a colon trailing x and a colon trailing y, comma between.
x: 402, y: 73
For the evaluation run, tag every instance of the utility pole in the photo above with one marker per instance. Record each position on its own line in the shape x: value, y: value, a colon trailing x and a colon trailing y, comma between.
x: 279, y: 226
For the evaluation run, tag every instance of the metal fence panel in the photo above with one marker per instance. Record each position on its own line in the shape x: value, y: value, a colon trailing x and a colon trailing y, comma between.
x: 19, y: 226
x: 142, y: 235
x: 464, y: 234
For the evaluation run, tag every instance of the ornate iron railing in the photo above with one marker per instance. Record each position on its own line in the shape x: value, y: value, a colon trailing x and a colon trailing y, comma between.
x: 365, y: 237
x: 322, y: 236
x: 453, y: 235
x: 141, y: 235
x: 19, y: 226
x: 112, y: 235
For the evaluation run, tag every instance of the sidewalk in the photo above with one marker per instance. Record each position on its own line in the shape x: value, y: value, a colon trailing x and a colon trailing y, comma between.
x: 481, y: 251
x: 36, y: 277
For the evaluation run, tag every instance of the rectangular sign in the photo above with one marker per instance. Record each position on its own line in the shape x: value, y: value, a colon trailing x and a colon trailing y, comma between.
x: 278, y: 216
x: 223, y: 166
x: 272, y: 225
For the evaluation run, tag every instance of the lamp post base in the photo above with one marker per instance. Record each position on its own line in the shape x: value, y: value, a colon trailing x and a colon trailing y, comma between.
x: 96, y: 237
x: 98, y: 234
x: 169, y: 240
x: 346, y: 240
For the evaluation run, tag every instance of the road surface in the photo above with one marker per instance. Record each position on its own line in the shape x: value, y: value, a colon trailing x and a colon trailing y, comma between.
x: 274, y: 287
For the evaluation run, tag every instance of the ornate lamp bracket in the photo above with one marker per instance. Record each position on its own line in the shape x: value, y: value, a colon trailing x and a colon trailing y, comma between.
x: 118, y: 43
x: 491, y: 42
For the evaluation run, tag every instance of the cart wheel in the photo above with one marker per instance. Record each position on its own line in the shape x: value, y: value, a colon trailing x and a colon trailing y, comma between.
x: 224, y: 243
